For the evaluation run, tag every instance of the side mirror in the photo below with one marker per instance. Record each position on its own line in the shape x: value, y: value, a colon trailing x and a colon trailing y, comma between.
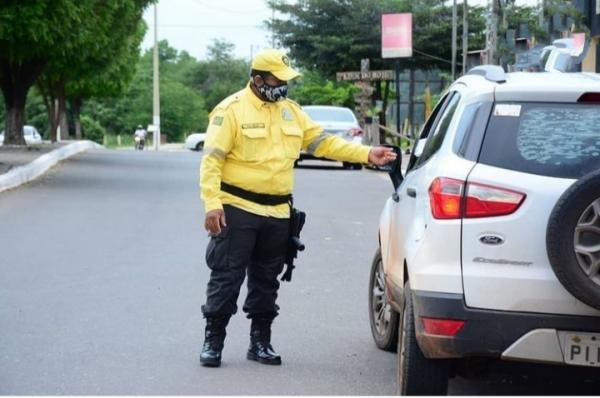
x: 393, y: 168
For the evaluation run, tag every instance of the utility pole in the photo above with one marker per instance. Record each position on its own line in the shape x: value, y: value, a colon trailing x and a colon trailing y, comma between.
x: 155, y: 83
x: 492, y: 32
x: 541, y: 5
x: 454, y: 22
x: 465, y: 36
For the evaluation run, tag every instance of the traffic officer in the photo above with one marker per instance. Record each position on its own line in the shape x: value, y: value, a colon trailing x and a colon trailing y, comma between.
x: 246, y: 178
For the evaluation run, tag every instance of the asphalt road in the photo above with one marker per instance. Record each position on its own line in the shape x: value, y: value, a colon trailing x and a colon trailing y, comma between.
x: 103, y: 276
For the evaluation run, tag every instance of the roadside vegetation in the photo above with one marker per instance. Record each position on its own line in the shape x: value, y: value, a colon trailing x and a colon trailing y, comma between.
x: 77, y: 64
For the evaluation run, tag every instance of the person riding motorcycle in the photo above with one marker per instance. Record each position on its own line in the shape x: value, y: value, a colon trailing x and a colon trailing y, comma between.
x: 139, y: 137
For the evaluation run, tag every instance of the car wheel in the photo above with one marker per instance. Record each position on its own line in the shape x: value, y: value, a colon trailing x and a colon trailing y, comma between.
x: 199, y: 146
x: 357, y: 166
x: 346, y: 165
x: 417, y: 375
x: 573, y: 239
x: 383, y: 319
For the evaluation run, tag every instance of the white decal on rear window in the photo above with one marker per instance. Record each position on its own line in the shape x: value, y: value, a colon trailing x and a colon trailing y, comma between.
x: 507, y: 110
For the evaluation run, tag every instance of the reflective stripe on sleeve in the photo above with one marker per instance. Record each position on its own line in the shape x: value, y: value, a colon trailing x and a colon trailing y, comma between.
x: 216, y: 152
x: 311, y: 149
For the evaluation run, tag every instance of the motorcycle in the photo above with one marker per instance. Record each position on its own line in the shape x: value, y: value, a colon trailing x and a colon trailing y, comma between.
x: 139, y: 143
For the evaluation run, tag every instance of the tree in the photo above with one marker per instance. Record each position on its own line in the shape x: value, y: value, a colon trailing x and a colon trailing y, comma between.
x: 317, y: 44
x: 111, y: 82
x: 31, y: 32
x: 182, y: 107
x: 312, y: 89
x: 219, y: 76
x: 111, y: 33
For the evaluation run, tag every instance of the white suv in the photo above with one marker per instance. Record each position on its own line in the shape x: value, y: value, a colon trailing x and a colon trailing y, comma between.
x: 490, y: 244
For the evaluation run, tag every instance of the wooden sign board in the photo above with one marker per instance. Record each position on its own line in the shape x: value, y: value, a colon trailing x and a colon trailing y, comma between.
x: 370, y: 75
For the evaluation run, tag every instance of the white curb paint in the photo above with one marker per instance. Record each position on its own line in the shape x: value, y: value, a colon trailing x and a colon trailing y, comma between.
x: 22, y: 174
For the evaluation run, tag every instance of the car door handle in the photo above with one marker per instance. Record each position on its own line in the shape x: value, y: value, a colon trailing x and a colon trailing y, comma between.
x: 411, y: 192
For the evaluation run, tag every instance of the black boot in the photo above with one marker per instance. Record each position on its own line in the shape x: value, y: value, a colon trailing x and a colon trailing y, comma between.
x: 260, y: 343
x: 214, y: 336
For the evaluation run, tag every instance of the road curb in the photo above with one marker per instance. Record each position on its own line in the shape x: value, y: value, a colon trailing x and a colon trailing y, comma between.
x: 22, y: 174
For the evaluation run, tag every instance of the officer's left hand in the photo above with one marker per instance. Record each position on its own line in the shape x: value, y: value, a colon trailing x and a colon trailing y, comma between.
x: 381, y: 155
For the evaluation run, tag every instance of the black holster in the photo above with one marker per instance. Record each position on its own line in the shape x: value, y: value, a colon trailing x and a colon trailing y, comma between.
x: 297, y: 220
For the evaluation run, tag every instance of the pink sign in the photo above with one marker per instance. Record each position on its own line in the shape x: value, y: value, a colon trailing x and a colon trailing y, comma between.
x: 396, y: 35
x: 578, y: 44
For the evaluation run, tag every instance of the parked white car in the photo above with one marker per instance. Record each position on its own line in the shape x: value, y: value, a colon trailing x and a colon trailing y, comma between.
x: 490, y: 244
x: 31, y: 136
x: 335, y: 120
x: 195, y: 141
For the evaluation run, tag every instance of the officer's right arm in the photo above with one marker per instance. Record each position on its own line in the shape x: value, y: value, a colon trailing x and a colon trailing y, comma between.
x: 218, y: 143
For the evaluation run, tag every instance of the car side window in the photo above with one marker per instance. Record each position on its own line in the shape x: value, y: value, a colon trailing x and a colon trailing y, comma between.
x: 428, y: 127
x: 436, y: 137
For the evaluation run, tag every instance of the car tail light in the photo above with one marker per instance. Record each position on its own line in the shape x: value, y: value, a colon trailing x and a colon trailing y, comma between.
x: 447, y: 202
x: 589, y: 97
x: 442, y: 327
x: 488, y: 201
x: 445, y: 196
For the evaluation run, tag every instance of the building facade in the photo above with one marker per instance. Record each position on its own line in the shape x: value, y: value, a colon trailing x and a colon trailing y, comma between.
x: 591, y: 12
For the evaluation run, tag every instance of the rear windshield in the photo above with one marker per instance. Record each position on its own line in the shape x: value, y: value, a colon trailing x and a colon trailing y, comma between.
x: 556, y: 140
x: 330, y: 115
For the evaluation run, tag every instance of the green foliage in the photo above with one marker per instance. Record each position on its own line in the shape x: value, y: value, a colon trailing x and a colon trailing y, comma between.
x: 219, y: 76
x: 92, y: 130
x: 317, y: 42
x: 313, y: 89
x: 182, y: 108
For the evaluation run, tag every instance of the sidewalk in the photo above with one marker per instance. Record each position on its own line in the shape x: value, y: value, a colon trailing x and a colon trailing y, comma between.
x: 21, y: 164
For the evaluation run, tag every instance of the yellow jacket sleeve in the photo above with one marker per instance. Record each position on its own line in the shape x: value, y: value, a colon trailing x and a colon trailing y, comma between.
x: 219, y: 140
x: 318, y: 143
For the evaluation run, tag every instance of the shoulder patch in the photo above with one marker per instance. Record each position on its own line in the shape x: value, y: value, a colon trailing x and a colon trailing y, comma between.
x: 217, y: 120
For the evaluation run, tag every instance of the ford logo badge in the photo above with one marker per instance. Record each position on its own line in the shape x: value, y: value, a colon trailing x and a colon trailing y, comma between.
x: 491, y: 239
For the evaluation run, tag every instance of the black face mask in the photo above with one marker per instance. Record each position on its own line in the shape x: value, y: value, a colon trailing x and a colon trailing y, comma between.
x: 273, y: 93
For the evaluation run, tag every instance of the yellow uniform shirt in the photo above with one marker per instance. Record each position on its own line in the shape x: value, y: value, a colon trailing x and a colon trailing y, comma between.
x: 252, y: 144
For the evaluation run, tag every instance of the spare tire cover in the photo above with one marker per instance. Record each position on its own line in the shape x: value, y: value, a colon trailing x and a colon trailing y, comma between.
x: 573, y: 239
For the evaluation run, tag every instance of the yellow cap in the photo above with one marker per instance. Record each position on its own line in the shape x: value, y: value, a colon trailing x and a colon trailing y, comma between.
x: 276, y: 62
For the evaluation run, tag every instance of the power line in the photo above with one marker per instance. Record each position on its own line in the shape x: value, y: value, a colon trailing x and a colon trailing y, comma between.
x: 434, y: 57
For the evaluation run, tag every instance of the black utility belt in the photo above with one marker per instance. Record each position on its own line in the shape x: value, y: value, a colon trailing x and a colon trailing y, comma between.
x: 260, y: 198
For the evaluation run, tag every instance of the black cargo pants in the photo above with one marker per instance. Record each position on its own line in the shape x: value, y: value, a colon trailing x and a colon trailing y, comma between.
x: 249, y: 244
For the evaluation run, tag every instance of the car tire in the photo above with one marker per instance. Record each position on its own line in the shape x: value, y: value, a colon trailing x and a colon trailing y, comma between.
x: 417, y: 375
x: 199, y: 146
x: 357, y: 166
x: 346, y: 165
x: 382, y: 318
x: 572, y: 239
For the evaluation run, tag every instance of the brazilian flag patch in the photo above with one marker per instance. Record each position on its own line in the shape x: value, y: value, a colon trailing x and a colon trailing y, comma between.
x: 217, y: 120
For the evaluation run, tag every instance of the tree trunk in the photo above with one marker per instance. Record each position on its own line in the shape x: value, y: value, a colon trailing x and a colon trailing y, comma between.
x: 62, y: 113
x: 50, y: 104
x: 15, y: 82
x: 76, y: 108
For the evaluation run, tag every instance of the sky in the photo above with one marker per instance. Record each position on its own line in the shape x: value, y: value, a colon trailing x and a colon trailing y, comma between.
x: 192, y: 25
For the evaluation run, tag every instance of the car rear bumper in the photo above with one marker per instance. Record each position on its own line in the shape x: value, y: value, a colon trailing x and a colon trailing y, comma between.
x: 500, y: 334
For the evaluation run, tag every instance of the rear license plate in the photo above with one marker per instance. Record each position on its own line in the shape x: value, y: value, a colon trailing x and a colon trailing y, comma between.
x: 582, y: 349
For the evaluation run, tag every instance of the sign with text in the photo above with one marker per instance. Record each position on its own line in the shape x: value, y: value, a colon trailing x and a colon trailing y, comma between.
x: 366, y: 75
x: 396, y: 35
